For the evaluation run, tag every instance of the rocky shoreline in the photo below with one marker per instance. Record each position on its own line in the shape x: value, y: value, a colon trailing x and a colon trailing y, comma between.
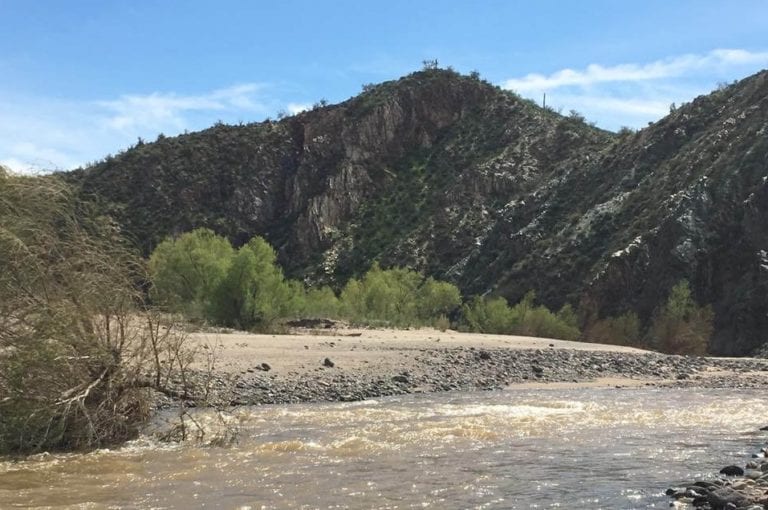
x: 736, y: 488
x: 476, y: 369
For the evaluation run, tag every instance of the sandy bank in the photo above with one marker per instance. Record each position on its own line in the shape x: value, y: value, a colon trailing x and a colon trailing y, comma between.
x: 348, y: 364
x: 352, y: 349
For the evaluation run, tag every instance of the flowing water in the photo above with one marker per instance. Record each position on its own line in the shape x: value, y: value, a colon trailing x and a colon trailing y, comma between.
x: 576, y: 448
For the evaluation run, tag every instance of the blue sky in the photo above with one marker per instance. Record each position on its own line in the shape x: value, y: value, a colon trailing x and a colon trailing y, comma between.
x: 82, y: 79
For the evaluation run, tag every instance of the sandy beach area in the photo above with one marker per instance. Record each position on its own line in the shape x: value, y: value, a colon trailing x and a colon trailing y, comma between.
x: 342, y: 364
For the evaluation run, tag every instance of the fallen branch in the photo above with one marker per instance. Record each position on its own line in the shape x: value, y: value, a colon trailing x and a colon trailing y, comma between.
x: 85, y: 392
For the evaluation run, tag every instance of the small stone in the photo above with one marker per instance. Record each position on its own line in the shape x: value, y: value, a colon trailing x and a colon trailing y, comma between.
x: 328, y: 363
x: 400, y: 379
x: 266, y: 367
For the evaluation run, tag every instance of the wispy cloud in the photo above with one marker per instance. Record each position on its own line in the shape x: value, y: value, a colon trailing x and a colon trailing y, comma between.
x: 159, y: 110
x: 40, y: 134
x: 635, y: 93
x: 667, y: 68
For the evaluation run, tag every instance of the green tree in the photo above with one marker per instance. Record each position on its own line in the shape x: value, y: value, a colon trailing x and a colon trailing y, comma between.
x: 398, y: 297
x: 488, y: 315
x: 253, y: 292
x: 187, y: 271
x: 682, y: 326
x: 320, y: 302
x: 621, y: 330
x: 494, y: 315
x: 435, y: 299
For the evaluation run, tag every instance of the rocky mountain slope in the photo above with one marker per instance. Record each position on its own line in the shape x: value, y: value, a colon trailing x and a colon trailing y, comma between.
x: 450, y: 175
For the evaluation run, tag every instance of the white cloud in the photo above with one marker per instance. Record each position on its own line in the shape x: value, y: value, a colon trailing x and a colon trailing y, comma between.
x: 159, y: 110
x: 631, y: 107
x: 294, y: 108
x: 666, y: 68
x: 633, y: 94
x: 38, y: 134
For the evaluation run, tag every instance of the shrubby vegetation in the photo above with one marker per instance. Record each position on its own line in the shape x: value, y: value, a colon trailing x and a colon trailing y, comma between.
x: 201, y: 275
x: 74, y: 350
x: 398, y: 297
x: 494, y: 315
x: 682, y: 326
x: 621, y: 330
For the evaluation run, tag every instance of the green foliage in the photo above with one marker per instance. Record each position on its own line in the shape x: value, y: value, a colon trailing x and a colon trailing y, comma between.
x: 187, y: 271
x: 201, y: 275
x: 319, y: 302
x: 253, y: 292
x: 435, y: 299
x: 488, y: 315
x: 682, y: 326
x: 494, y: 315
x: 397, y: 297
x: 621, y: 330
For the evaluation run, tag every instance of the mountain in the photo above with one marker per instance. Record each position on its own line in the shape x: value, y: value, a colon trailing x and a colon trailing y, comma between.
x: 455, y: 177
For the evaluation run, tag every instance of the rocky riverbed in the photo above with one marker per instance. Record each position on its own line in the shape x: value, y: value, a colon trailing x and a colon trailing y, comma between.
x: 330, y: 370
x: 737, y: 487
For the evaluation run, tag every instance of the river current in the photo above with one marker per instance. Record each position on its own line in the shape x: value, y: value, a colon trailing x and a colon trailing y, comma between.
x: 545, y: 448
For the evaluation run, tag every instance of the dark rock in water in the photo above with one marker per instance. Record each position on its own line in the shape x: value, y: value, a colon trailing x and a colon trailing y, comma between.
x: 328, y: 363
x: 725, y: 497
x: 400, y: 379
x: 764, y: 428
x: 265, y: 367
x: 732, y: 471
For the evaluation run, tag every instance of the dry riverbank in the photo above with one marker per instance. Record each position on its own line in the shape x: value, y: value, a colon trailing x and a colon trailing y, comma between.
x: 347, y: 364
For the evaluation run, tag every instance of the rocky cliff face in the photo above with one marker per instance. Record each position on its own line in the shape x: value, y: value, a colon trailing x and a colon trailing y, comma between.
x: 452, y: 176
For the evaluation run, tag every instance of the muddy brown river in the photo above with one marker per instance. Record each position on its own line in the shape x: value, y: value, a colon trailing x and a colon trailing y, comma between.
x: 576, y: 448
